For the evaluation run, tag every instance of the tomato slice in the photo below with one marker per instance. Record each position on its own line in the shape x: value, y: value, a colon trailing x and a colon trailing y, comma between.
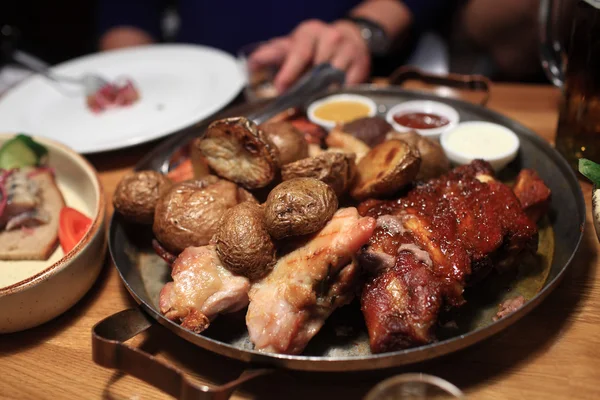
x: 72, y: 227
x: 182, y: 172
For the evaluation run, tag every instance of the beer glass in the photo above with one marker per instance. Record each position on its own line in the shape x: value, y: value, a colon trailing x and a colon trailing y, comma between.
x: 414, y: 387
x: 576, y: 71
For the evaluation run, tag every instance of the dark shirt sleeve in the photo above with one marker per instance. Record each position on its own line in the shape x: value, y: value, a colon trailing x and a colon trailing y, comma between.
x: 426, y: 11
x: 142, y: 14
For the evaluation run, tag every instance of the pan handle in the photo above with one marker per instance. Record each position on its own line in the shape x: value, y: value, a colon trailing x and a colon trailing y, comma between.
x: 476, y: 83
x: 110, y: 351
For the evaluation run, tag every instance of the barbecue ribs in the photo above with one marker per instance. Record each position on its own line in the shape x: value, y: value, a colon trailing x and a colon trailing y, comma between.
x: 443, y: 235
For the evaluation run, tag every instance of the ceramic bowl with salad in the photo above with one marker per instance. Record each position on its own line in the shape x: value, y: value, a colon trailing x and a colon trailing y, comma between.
x: 52, y: 230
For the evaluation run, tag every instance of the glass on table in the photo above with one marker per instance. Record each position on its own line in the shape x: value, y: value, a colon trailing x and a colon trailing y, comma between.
x: 576, y: 71
x: 414, y: 387
x: 259, y: 77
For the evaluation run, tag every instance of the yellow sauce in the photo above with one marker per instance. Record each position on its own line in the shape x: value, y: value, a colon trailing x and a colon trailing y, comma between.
x: 342, y: 111
x: 483, y: 141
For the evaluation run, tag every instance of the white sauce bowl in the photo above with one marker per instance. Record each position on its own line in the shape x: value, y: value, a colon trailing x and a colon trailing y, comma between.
x: 474, y: 140
x: 424, y: 106
x: 329, y: 124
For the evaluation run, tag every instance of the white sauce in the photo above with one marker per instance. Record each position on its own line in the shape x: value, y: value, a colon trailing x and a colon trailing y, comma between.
x: 481, y: 141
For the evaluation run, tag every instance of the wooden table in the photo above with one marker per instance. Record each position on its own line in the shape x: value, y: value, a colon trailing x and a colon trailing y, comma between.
x: 550, y: 354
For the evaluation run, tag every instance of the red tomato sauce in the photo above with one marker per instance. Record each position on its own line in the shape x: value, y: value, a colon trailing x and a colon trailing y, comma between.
x: 418, y: 120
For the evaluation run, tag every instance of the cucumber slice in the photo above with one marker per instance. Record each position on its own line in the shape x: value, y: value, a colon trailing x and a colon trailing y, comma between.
x: 590, y: 170
x: 21, y: 151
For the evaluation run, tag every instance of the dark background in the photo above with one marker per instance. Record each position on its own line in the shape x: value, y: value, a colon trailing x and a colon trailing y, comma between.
x: 54, y: 30
x: 59, y: 30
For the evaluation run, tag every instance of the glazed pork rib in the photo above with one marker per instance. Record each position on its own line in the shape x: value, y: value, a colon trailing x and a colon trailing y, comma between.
x: 428, y: 245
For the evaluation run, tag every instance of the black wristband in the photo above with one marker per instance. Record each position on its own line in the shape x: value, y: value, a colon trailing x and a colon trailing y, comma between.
x: 374, y: 35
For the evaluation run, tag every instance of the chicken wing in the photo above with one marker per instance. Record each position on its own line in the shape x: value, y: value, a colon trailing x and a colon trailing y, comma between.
x: 201, y: 289
x: 289, y: 306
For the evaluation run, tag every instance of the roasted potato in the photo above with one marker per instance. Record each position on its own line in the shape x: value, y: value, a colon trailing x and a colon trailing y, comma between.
x: 289, y: 141
x: 385, y: 169
x: 137, y: 194
x: 335, y: 169
x: 299, y: 206
x: 237, y: 150
x: 243, y: 243
x: 433, y: 159
x: 371, y: 130
x: 188, y: 214
x: 346, y: 143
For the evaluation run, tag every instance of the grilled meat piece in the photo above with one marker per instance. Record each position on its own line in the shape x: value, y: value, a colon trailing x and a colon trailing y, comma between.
x: 202, y: 288
x: 289, y: 306
x: 428, y: 245
x: 509, y: 306
x: 533, y: 194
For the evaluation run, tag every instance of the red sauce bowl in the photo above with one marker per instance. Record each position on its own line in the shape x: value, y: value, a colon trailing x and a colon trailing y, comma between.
x: 428, y: 118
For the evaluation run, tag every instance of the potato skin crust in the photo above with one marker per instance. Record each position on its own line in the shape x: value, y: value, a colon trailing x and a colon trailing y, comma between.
x: 289, y: 141
x: 137, y: 195
x: 434, y: 162
x: 333, y: 168
x: 243, y: 243
x: 189, y: 213
x: 387, y: 168
x: 237, y: 150
x: 300, y: 206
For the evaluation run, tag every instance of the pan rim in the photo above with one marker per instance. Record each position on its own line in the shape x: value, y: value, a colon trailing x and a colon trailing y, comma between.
x: 401, y: 357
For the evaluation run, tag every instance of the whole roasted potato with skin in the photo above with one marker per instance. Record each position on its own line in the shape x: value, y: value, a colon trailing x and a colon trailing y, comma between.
x: 371, y: 130
x: 299, y: 206
x: 237, y: 150
x: 433, y: 159
x: 333, y: 168
x: 289, y: 141
x: 243, y: 243
x: 137, y: 194
x: 188, y: 214
x: 387, y: 168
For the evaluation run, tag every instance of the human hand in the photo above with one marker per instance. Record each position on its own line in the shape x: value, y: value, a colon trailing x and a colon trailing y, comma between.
x: 314, y: 42
x: 120, y: 37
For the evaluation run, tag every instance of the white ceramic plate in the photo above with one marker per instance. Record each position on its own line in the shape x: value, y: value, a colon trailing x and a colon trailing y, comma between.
x: 179, y: 85
x: 33, y: 292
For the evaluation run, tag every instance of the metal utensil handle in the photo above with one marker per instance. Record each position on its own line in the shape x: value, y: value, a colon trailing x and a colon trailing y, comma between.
x: 476, y: 83
x: 110, y: 351
x: 41, y: 67
x: 318, y: 79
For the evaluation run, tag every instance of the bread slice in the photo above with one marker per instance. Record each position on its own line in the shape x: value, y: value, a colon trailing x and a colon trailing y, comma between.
x: 40, y: 242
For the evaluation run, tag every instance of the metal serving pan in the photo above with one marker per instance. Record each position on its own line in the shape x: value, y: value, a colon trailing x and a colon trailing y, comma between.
x: 143, y: 274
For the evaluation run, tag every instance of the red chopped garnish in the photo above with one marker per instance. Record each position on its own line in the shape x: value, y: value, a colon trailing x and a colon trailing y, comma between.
x: 113, y: 95
x: 182, y: 172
